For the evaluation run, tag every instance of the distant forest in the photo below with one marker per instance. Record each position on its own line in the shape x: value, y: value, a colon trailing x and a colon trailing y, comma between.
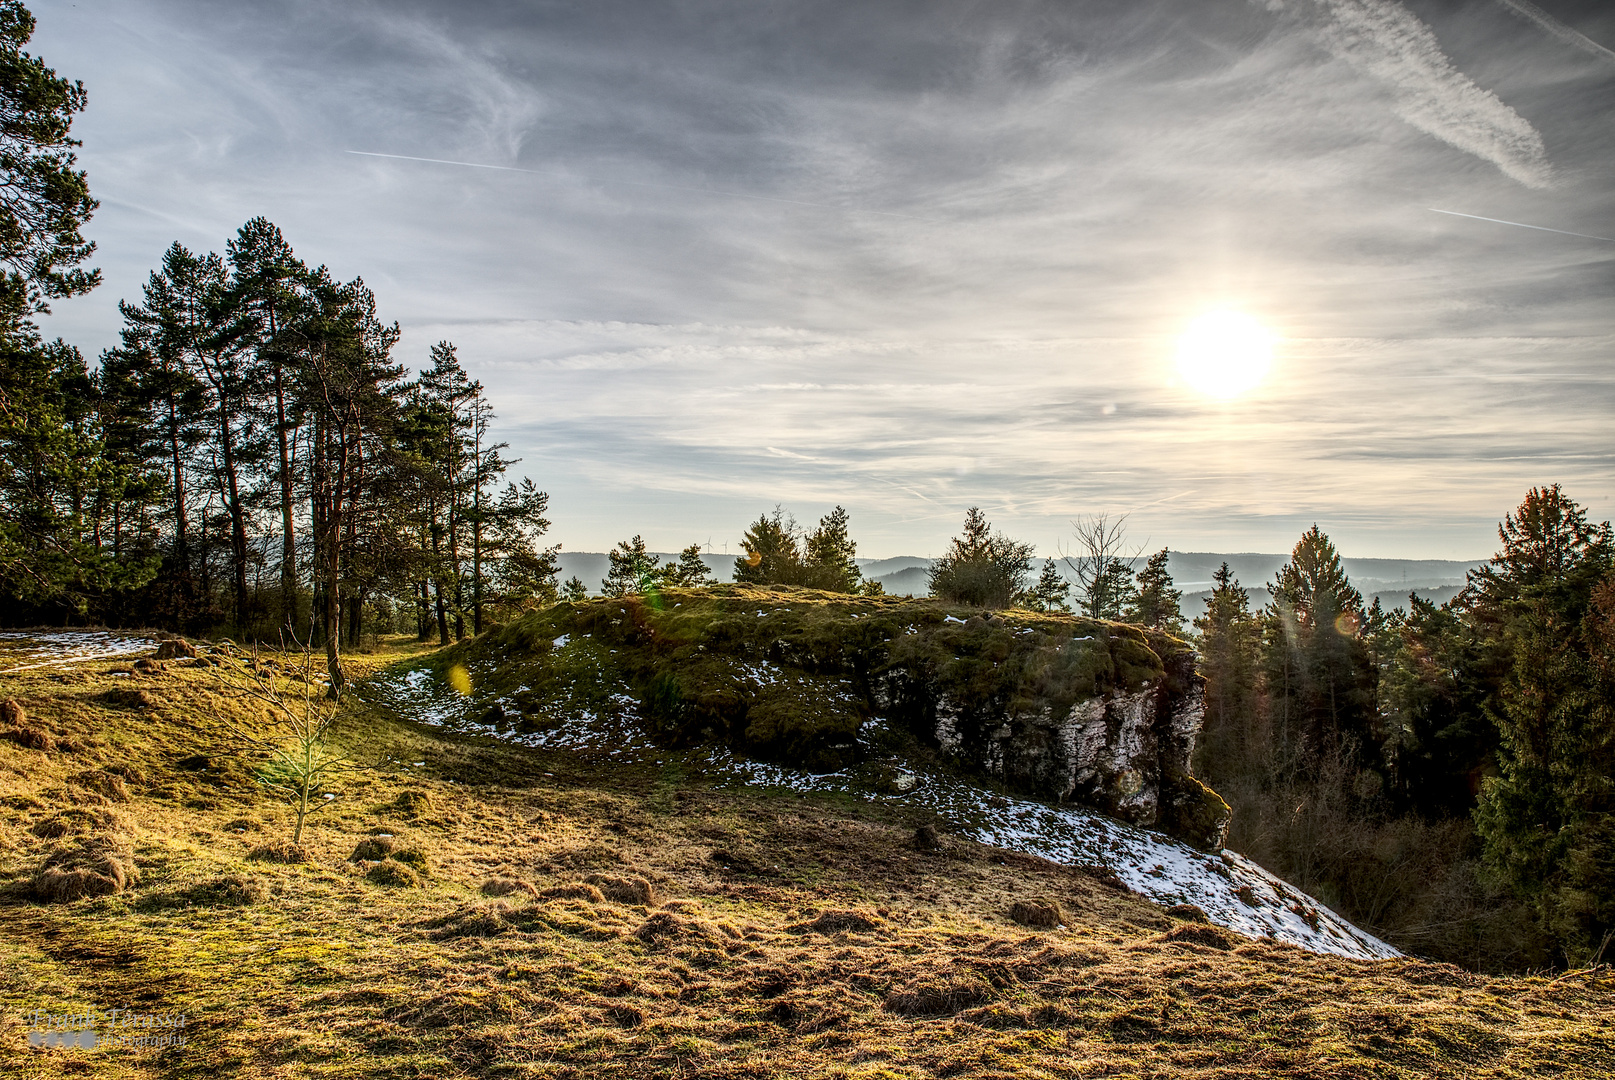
x: 252, y: 460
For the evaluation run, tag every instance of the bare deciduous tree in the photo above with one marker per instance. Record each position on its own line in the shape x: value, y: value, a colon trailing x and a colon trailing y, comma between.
x: 1102, y: 564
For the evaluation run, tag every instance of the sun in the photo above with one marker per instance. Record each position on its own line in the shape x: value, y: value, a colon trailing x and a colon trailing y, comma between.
x: 1225, y: 353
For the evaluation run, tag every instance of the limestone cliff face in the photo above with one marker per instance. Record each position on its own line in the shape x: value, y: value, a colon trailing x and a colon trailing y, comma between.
x: 1123, y: 752
x: 1056, y: 706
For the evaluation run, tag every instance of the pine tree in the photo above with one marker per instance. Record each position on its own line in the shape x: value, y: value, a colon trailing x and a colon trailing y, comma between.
x: 526, y: 572
x: 46, y: 202
x: 981, y: 568
x: 830, y: 556
x: 1545, y: 603
x: 1112, y: 595
x: 632, y: 570
x: 574, y: 591
x: 1229, y: 638
x: 772, y: 556
x: 268, y: 286
x: 1157, y: 601
x: 689, y: 572
x: 1051, y: 590
x: 1317, y: 663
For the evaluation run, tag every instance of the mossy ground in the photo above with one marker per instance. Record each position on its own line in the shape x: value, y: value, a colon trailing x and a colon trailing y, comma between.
x: 794, y: 937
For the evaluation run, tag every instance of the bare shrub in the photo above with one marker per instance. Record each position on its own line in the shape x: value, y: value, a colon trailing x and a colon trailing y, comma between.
x: 12, y: 713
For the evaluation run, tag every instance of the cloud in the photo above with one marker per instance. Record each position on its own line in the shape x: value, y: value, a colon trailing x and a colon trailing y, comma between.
x: 1574, y: 38
x: 1387, y: 42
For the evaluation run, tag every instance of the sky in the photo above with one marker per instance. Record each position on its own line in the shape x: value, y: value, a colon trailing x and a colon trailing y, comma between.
x: 910, y: 257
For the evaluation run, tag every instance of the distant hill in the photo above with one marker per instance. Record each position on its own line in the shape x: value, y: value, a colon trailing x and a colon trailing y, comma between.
x: 1390, y: 580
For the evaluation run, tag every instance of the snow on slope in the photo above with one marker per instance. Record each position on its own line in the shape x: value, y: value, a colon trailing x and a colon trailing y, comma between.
x: 1233, y: 891
x: 23, y: 650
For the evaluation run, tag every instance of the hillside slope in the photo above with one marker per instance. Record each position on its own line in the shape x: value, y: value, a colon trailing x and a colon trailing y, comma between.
x: 651, y: 924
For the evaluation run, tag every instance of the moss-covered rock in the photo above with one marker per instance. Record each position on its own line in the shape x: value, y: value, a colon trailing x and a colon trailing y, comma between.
x: 1053, y: 705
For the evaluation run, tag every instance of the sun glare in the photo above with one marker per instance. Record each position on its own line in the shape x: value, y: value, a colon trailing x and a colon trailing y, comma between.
x: 1224, y: 353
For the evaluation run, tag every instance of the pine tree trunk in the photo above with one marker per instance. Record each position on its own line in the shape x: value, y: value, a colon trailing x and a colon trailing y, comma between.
x: 288, y: 546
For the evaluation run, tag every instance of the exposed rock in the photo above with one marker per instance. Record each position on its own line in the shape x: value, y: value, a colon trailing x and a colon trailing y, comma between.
x: 1053, y: 706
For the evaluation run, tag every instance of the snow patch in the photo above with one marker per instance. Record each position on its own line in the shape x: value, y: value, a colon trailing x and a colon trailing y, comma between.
x: 23, y: 651
x: 1233, y: 891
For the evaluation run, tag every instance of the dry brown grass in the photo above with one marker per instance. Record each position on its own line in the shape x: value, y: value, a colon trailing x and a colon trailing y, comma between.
x: 822, y: 943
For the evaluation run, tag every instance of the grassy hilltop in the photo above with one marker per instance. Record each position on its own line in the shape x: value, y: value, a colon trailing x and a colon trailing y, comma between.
x: 480, y: 909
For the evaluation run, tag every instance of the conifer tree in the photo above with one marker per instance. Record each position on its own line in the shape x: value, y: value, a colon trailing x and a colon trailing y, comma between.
x: 772, y: 556
x: 1157, y: 601
x: 574, y: 591
x: 1229, y: 636
x: 1051, y: 590
x: 980, y: 567
x: 1546, y: 602
x: 829, y: 556
x: 44, y: 201
x: 689, y: 572
x: 632, y: 569
x: 1317, y: 664
x: 268, y: 286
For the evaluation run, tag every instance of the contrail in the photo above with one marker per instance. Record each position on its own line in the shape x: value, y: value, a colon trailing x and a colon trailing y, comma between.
x: 1523, y: 225
x: 1528, y: 10
x: 640, y: 183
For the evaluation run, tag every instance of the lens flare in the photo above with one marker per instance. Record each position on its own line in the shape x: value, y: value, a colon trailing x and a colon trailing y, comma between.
x: 1225, y: 353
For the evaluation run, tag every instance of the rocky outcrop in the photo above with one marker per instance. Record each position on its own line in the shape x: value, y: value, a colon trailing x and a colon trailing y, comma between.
x: 1056, y: 706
